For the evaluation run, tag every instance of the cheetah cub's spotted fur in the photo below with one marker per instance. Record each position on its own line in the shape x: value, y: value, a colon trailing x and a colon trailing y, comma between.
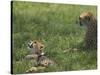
x: 37, y: 53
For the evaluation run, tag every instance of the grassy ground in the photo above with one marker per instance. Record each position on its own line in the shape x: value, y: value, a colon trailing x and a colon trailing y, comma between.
x: 55, y: 26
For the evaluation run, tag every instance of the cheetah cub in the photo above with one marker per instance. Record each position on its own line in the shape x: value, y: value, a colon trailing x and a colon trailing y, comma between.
x: 37, y: 53
x: 44, y: 61
x: 36, y: 49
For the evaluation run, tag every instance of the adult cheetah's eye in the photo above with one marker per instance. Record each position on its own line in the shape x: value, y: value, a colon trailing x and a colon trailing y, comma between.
x: 88, y: 18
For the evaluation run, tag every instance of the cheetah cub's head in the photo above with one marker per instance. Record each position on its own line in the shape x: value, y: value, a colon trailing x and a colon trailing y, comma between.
x: 85, y: 18
x: 36, y: 47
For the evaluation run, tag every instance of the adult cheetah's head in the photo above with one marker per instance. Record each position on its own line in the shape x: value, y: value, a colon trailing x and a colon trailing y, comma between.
x: 85, y: 18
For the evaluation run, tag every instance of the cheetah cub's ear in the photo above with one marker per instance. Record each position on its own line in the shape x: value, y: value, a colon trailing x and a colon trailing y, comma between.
x: 30, y: 45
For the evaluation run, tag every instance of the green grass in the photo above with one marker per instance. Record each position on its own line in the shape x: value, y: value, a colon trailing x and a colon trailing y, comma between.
x: 55, y: 26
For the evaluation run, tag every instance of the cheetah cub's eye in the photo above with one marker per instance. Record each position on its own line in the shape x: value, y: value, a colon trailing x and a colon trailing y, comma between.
x: 41, y: 47
x: 35, y: 42
x: 30, y: 43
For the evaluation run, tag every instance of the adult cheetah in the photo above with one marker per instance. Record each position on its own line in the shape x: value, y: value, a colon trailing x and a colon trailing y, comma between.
x: 87, y: 19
